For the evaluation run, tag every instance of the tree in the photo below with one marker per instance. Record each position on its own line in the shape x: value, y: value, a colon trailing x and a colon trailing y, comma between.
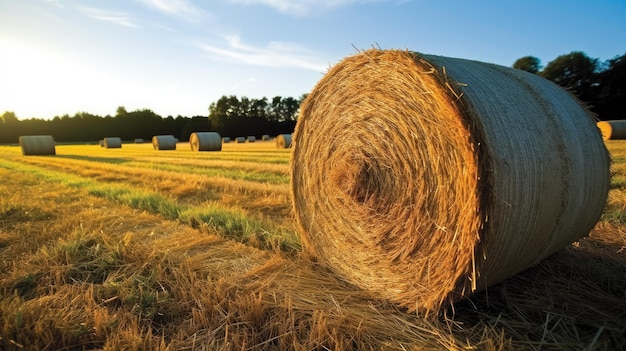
x: 611, y: 99
x: 576, y: 72
x: 528, y: 63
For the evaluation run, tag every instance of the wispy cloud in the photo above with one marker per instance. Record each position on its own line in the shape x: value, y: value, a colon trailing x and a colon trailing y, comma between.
x: 120, y: 18
x: 275, y: 54
x: 303, y: 7
x: 55, y: 3
x: 179, y: 8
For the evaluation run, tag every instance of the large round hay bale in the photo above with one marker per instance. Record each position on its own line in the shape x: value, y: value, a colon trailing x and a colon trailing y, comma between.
x: 205, y: 141
x: 265, y: 137
x: 251, y: 139
x: 37, y: 145
x: 425, y: 178
x: 138, y: 141
x: 612, y: 130
x: 164, y: 142
x: 101, y: 142
x: 112, y: 143
x: 283, y: 141
x: 240, y: 140
x: 226, y: 140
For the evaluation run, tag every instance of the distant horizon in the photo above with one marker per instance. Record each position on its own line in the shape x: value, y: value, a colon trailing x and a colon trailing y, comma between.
x: 62, y: 57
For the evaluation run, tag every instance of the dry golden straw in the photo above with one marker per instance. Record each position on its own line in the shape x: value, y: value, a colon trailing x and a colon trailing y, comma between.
x: 112, y: 143
x: 205, y: 141
x: 612, y: 130
x: 164, y: 142
x: 424, y: 178
x: 37, y: 145
x: 283, y: 141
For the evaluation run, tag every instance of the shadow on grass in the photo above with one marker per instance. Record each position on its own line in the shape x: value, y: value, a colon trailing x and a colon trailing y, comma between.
x: 111, y: 160
x: 573, y: 300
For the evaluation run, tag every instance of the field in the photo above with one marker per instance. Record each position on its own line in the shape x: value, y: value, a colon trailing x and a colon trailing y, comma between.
x: 137, y: 249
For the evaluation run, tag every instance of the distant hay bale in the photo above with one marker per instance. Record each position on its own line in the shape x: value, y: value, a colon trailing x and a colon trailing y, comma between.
x: 612, y: 130
x: 265, y: 137
x: 37, y: 145
x: 138, y: 141
x: 205, y: 141
x: 164, y: 142
x: 112, y: 143
x: 283, y: 141
x: 251, y: 138
x: 425, y: 178
x: 226, y: 140
x: 240, y: 140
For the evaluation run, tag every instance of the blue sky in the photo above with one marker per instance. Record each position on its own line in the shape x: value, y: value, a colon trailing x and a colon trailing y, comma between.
x: 176, y: 57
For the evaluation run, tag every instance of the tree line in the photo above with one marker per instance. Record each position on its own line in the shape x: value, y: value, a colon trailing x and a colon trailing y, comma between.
x: 601, y: 85
x: 230, y: 116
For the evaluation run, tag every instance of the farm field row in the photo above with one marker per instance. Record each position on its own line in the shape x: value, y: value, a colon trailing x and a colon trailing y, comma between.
x: 139, y: 249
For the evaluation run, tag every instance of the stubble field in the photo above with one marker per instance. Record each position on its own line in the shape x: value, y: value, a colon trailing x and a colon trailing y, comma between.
x: 137, y: 249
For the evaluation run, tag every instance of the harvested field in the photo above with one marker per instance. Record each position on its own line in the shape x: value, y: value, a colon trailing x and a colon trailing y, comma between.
x: 137, y: 249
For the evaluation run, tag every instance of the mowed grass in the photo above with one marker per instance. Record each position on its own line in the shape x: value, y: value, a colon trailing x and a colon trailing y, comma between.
x: 137, y: 249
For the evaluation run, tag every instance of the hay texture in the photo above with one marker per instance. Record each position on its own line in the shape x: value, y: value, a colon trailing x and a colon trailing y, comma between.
x: 205, y: 141
x: 37, y: 145
x: 112, y: 143
x: 424, y: 178
x: 612, y: 130
x: 283, y: 141
x: 164, y: 142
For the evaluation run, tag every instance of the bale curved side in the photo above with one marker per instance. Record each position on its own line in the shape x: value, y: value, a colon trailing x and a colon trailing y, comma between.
x: 612, y: 130
x: 37, y: 145
x: 240, y: 140
x: 205, y: 141
x: 112, y: 143
x: 164, y: 142
x: 226, y: 140
x: 446, y: 178
x: 283, y: 141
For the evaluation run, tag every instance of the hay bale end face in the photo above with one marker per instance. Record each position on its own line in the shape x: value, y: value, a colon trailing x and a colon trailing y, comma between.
x: 457, y: 174
x: 37, y: 145
x: 205, y: 141
x: 164, y: 142
x: 283, y: 141
x: 612, y: 130
x: 112, y: 143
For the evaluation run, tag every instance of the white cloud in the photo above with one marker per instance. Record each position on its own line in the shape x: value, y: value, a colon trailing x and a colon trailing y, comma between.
x: 120, y: 18
x: 179, y: 8
x: 303, y: 7
x: 275, y: 54
x: 55, y: 3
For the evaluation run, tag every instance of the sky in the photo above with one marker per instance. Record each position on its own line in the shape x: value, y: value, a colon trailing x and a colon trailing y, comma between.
x: 176, y: 57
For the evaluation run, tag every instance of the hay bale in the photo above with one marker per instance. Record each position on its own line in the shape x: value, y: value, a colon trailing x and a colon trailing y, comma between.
x: 205, y: 141
x: 101, y: 142
x: 37, y: 145
x: 164, y: 142
x: 424, y: 178
x: 612, y: 130
x: 251, y: 139
x: 112, y: 143
x: 138, y: 141
x: 240, y: 140
x: 283, y: 141
x: 225, y: 140
x: 265, y: 137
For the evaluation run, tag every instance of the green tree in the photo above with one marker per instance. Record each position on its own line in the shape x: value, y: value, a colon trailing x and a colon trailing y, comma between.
x: 576, y: 72
x: 528, y: 63
x: 611, y: 99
